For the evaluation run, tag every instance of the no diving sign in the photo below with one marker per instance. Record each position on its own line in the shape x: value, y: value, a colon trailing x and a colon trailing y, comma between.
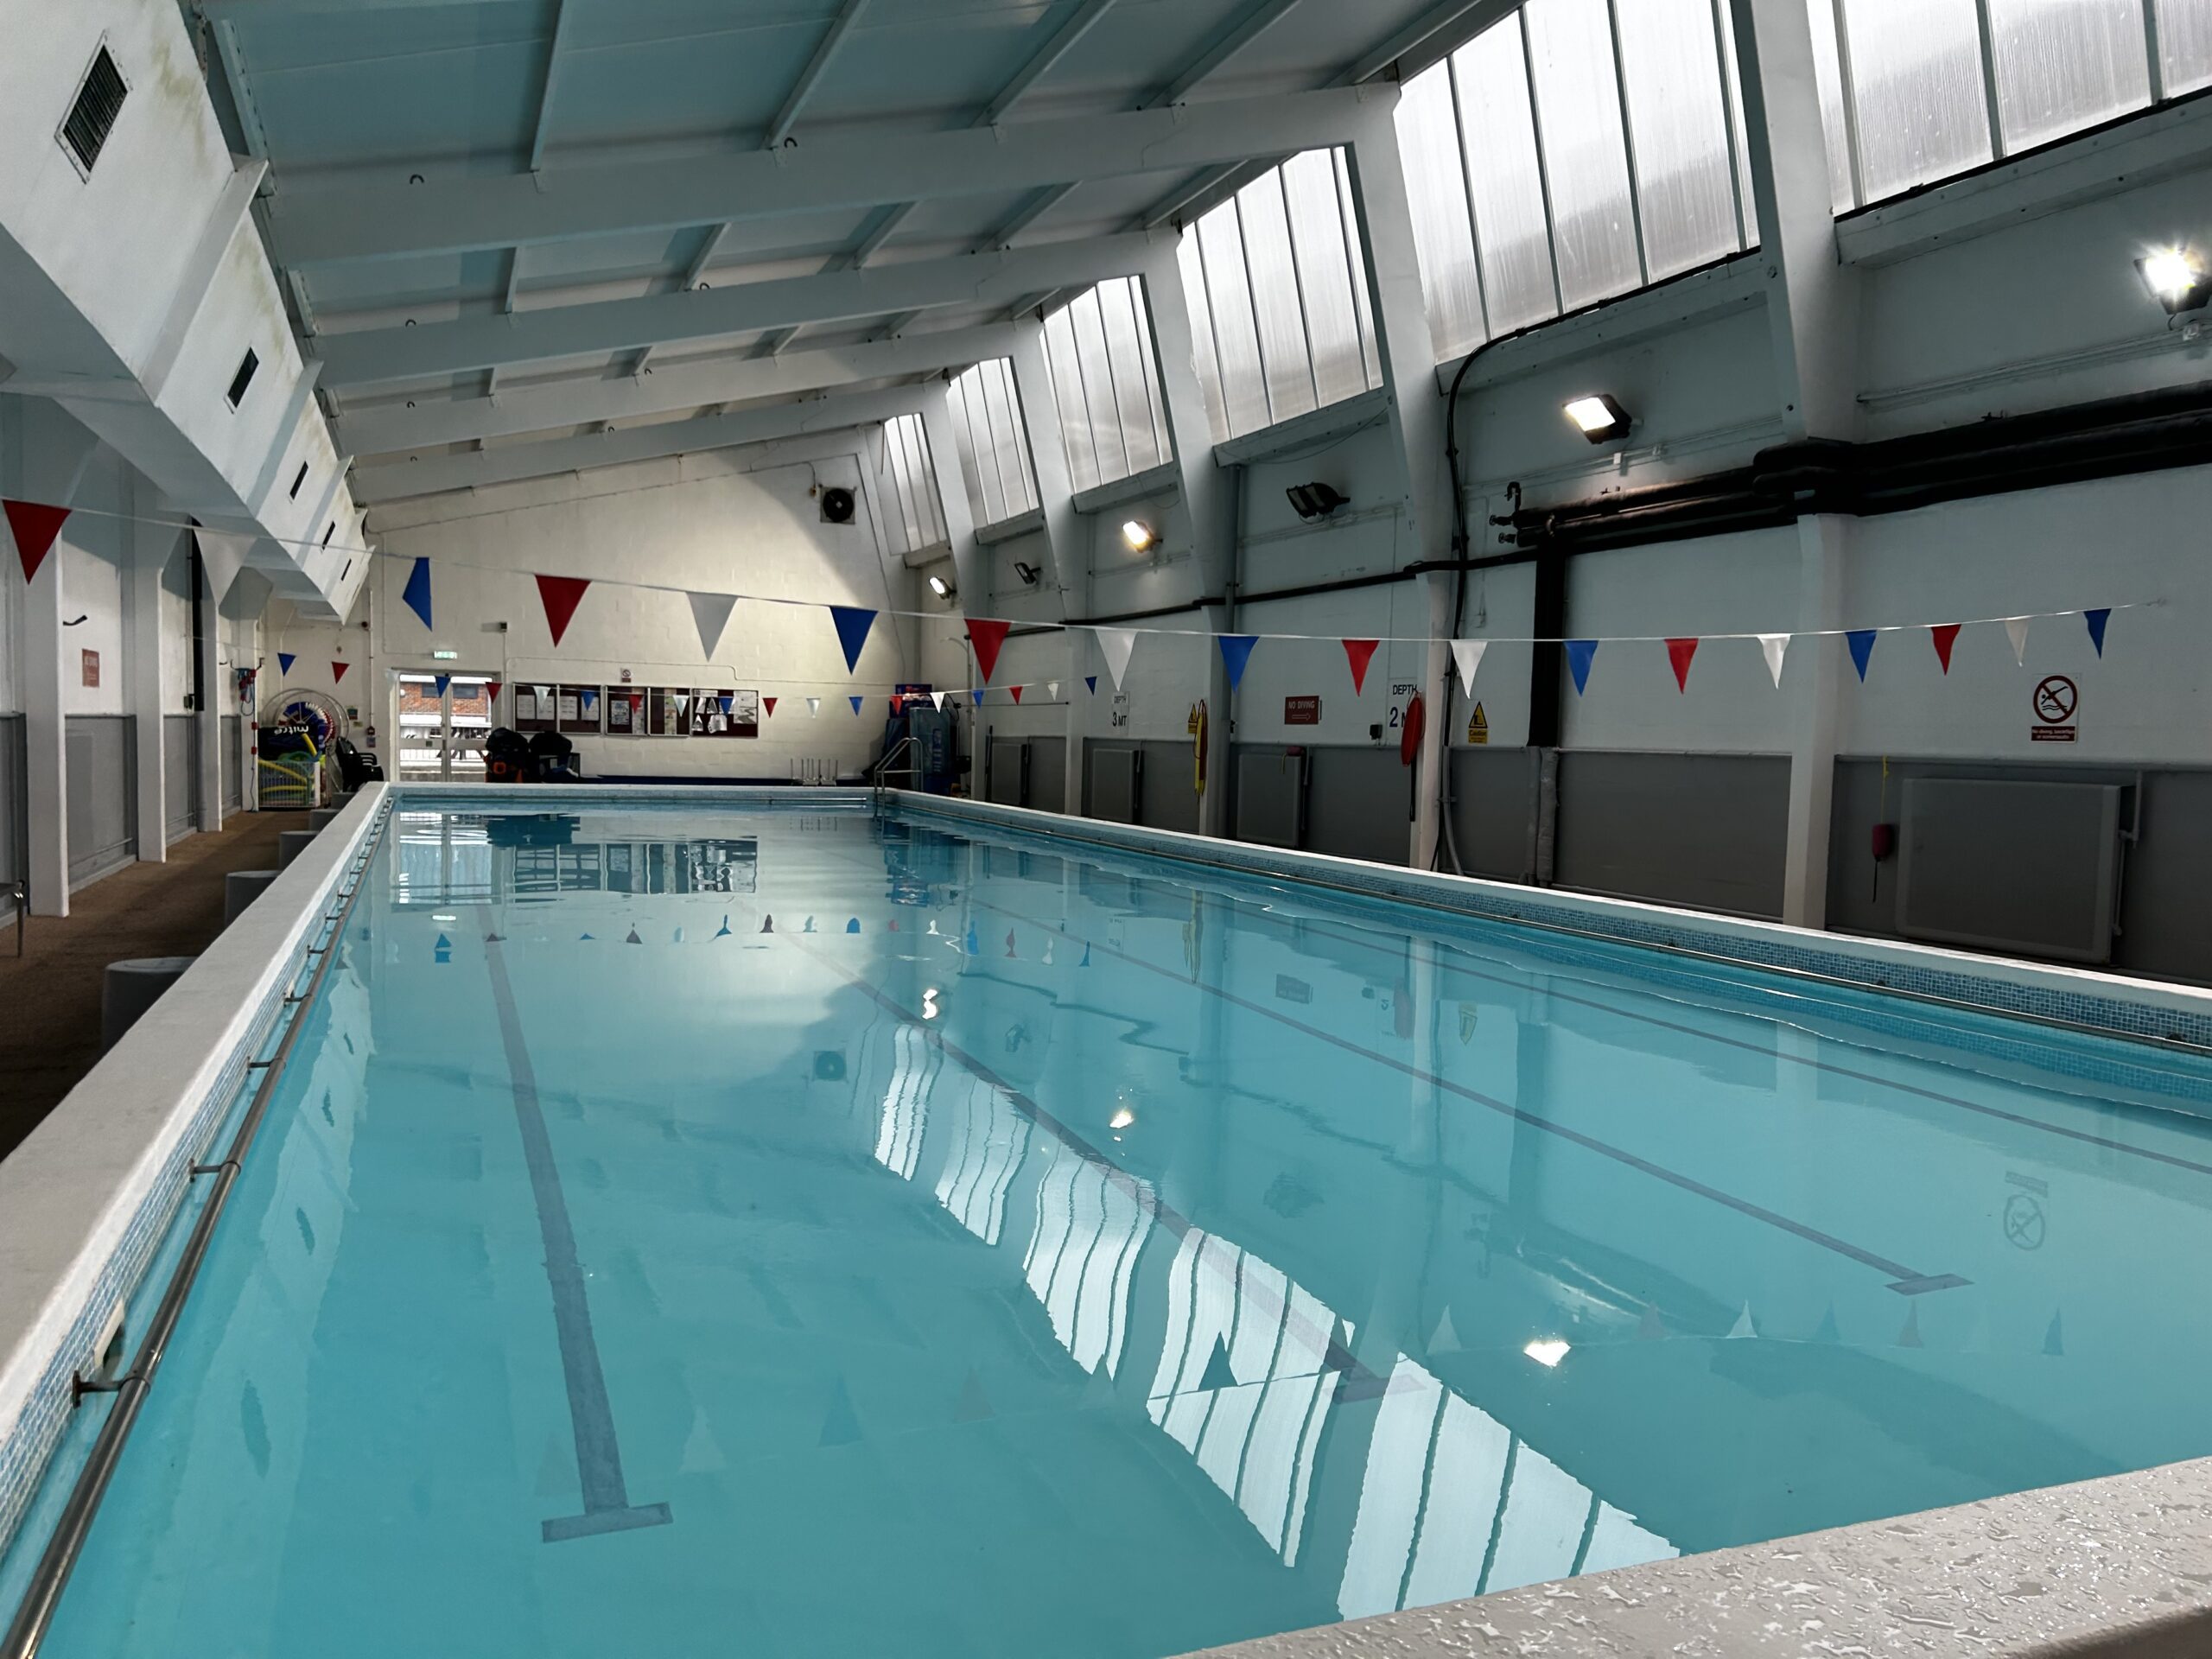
x: 2057, y: 701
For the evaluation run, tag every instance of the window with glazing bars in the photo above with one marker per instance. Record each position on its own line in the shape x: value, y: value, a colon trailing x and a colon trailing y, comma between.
x: 1106, y: 384
x: 1276, y: 282
x: 1571, y: 152
x: 1914, y: 92
x: 987, y: 425
x: 910, y: 486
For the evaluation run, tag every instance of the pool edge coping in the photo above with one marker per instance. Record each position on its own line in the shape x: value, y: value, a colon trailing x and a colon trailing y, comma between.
x: 90, y: 1194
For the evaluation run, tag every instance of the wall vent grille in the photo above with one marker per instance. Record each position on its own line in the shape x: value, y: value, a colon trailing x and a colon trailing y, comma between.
x: 93, y: 117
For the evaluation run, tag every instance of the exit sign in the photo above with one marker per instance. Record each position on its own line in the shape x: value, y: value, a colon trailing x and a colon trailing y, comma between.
x: 1302, y: 711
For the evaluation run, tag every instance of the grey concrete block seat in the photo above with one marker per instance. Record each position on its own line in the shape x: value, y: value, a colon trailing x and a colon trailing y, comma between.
x: 322, y: 817
x: 130, y: 988
x: 241, y: 888
x: 290, y: 844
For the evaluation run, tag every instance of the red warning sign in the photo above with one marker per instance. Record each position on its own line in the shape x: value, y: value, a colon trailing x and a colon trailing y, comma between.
x: 1302, y: 711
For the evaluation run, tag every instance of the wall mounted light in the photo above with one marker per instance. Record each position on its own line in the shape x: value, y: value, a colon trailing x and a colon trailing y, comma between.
x: 1028, y: 573
x: 1139, y: 534
x: 2176, y: 279
x: 1316, y: 500
x: 941, y: 587
x: 1601, y: 417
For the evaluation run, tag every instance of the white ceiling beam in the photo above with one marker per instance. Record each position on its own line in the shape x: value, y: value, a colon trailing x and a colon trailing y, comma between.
x: 810, y: 77
x: 462, y: 214
x: 1042, y: 62
x: 1254, y: 21
x: 400, y: 480
x: 473, y: 344
x: 563, y: 11
x: 1435, y: 34
x: 392, y: 428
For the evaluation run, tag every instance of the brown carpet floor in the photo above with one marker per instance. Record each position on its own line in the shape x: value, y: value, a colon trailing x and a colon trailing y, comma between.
x: 50, y: 999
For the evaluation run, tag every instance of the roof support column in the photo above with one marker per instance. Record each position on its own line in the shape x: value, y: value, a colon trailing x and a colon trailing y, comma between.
x: 44, y: 455
x: 1814, y: 311
x: 151, y: 546
x: 1210, y: 502
x: 1408, y: 355
x: 1066, y: 537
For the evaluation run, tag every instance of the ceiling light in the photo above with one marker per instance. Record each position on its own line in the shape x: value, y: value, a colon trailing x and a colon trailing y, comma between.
x: 1139, y: 534
x: 1546, y: 1350
x: 2177, y: 278
x: 1601, y: 417
x: 941, y: 587
x: 1315, y: 501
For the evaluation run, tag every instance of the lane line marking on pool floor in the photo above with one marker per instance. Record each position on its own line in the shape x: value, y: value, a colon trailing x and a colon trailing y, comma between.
x: 591, y: 1414
x: 1906, y: 1281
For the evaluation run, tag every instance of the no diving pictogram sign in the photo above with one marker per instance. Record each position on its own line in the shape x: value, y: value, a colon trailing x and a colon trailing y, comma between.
x: 2057, y: 700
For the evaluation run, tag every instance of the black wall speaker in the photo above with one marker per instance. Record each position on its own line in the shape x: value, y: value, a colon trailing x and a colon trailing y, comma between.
x: 837, y: 505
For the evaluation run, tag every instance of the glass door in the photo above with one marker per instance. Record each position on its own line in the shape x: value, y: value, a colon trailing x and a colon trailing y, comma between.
x: 443, y: 720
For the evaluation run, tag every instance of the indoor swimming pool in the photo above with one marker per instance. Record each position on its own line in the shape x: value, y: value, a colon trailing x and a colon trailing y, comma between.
x: 795, y: 1230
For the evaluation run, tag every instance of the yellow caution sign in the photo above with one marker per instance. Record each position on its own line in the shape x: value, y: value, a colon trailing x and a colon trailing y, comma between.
x: 1479, y: 726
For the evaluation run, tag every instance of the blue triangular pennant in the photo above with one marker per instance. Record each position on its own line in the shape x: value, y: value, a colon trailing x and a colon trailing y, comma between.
x: 2096, y: 620
x: 977, y: 696
x: 855, y: 702
x: 725, y: 929
x: 441, y: 681
x: 853, y: 926
x: 1218, y: 1373
x: 1235, y: 653
x: 726, y: 700
x: 1092, y: 680
x: 1861, y: 641
x: 285, y: 659
x: 417, y: 591
x: 443, y: 943
x: 975, y: 945
x: 582, y: 937
x: 633, y: 938
x: 590, y: 701
x: 767, y: 924
x: 853, y: 625
x: 1580, y: 653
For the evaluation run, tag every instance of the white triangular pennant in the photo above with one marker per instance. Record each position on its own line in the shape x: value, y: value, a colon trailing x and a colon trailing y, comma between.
x: 222, y: 552
x: 681, y: 699
x: 2016, y: 630
x: 936, y: 700
x: 1468, y: 654
x: 1052, y: 690
x: 711, y: 613
x: 1773, y: 645
x: 814, y: 705
x: 1114, y: 644
x: 1446, y: 1340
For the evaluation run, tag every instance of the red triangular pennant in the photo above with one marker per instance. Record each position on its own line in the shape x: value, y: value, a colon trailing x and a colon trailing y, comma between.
x: 492, y: 688
x: 1359, y: 653
x: 1945, y: 634
x: 560, y: 595
x: 33, y: 527
x: 898, y: 704
x: 338, y: 671
x: 769, y: 703
x: 987, y: 636
x: 1017, y: 692
x: 1679, y: 652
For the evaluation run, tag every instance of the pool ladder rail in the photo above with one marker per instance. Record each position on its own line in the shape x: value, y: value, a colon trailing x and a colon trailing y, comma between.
x: 877, y: 771
x: 34, y: 1617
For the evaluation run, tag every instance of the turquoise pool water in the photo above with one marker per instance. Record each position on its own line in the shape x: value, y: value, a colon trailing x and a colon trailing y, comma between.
x: 790, y: 1233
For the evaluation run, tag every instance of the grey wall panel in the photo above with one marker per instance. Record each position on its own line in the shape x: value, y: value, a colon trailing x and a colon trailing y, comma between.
x: 1168, y: 796
x: 1494, y: 812
x: 233, y: 759
x: 1010, y: 771
x: 1357, y: 800
x: 2165, y: 913
x: 12, y: 809
x: 103, y: 827
x: 1113, y: 782
x: 1048, y: 773
x: 179, y: 773
x: 1702, y: 830
x: 1270, y: 799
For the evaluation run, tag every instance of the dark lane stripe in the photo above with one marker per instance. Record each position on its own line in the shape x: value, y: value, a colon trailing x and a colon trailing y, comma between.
x: 1906, y: 1280
x: 591, y: 1415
